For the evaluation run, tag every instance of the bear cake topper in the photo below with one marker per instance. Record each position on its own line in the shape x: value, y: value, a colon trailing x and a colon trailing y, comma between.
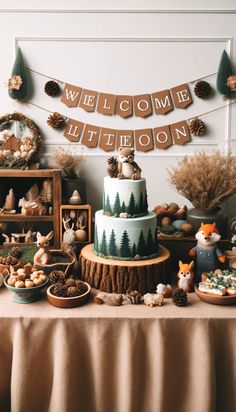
x: 124, y: 167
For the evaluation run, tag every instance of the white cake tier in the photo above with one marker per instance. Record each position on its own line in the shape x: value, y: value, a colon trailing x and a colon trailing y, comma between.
x: 124, y: 196
x: 125, y: 239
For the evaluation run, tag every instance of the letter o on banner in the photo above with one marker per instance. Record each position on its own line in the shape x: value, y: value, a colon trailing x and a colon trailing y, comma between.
x: 142, y: 105
x: 162, y: 137
x: 144, y: 140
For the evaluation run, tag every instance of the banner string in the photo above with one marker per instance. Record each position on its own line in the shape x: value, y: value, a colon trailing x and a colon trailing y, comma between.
x: 190, y: 118
x: 62, y: 82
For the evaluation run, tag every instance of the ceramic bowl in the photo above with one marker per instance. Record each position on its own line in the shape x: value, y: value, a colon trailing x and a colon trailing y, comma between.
x: 214, y: 299
x: 26, y: 295
x: 70, y: 302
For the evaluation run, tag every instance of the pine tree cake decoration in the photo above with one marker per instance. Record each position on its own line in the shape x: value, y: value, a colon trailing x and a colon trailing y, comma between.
x: 18, y: 83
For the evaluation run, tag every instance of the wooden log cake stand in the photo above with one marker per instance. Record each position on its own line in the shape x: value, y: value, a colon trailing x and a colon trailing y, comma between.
x: 118, y: 276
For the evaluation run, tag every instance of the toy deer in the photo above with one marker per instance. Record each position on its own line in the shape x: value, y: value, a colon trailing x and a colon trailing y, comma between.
x: 185, y: 276
x: 43, y: 255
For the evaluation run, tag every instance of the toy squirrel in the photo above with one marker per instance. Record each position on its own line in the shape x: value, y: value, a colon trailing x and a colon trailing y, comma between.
x: 206, y: 252
x: 185, y: 276
x: 125, y: 167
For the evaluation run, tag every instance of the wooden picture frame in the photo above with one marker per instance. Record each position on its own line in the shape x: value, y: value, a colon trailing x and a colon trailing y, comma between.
x: 80, y: 219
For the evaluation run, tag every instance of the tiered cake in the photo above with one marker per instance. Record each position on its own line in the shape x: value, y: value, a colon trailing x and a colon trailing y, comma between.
x: 125, y: 229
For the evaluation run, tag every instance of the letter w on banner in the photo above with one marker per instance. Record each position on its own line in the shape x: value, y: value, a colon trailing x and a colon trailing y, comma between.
x: 71, y: 95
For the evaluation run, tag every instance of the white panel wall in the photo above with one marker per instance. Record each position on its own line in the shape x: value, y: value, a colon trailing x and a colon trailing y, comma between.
x: 125, y: 47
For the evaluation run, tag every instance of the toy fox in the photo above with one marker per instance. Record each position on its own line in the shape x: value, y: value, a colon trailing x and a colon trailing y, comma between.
x: 185, y: 276
x: 206, y: 252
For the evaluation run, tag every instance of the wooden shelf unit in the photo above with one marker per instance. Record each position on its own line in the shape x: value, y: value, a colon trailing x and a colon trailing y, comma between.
x: 33, y: 176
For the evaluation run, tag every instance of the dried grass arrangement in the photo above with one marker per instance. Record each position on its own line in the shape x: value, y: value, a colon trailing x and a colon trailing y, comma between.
x: 206, y: 180
x: 68, y: 162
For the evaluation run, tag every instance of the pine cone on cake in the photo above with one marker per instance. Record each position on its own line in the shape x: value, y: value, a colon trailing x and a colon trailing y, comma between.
x: 56, y: 120
x: 202, y: 89
x: 112, y: 167
x: 180, y: 297
x: 197, y: 127
x: 52, y: 88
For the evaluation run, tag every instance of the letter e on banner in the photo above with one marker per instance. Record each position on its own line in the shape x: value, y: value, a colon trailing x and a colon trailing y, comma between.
x: 106, y: 103
x: 73, y: 130
x: 71, y: 95
x: 142, y: 105
x: 162, y: 137
x: 90, y: 136
x: 125, y: 138
x: 124, y: 106
x: 88, y: 100
x: 144, y: 140
x: 181, y: 96
x: 180, y: 132
x: 162, y: 102
x: 107, y: 140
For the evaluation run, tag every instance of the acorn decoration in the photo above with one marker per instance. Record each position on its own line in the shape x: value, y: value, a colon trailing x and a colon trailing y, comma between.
x: 231, y: 83
x: 56, y: 120
x: 134, y: 297
x: 112, y: 167
x: 52, y: 88
x: 180, y: 297
x: 197, y: 127
x: 202, y: 89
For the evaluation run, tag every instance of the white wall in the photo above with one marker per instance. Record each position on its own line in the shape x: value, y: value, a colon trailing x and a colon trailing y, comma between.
x: 122, y: 47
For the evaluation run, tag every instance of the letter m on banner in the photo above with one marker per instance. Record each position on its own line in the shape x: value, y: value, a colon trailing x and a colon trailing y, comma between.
x: 71, y: 95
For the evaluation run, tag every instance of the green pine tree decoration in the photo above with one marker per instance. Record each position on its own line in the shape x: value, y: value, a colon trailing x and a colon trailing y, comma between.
x: 145, y: 207
x: 96, y: 239
x: 141, y: 248
x: 112, y: 244
x: 117, y: 207
x: 103, y: 249
x: 132, y: 206
x: 125, y: 250
x: 108, y: 205
x: 141, y: 204
x: 224, y: 71
x: 150, y: 243
x: 133, y: 251
x: 19, y: 69
x: 123, y: 207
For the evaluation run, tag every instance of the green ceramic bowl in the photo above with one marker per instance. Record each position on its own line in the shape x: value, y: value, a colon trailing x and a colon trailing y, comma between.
x: 26, y: 295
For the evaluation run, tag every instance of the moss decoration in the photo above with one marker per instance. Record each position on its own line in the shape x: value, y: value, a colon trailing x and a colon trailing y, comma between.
x: 224, y: 71
x: 19, y: 69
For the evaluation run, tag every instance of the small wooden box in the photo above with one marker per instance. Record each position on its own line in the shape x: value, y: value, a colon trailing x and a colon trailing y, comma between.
x: 79, y: 219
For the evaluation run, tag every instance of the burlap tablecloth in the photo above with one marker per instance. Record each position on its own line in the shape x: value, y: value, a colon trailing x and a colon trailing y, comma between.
x: 117, y: 359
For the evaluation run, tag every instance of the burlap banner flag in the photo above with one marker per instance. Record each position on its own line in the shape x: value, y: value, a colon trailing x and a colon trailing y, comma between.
x: 142, y: 105
x: 144, y: 140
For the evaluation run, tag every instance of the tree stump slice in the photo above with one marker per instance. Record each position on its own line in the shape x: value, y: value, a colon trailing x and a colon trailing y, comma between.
x: 118, y: 276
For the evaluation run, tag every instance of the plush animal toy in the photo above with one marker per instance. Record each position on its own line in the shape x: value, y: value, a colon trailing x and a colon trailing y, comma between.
x: 185, y: 276
x: 206, y: 252
x: 127, y: 167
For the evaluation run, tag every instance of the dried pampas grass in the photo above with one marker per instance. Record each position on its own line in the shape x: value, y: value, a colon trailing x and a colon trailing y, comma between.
x: 205, y: 180
x: 68, y: 162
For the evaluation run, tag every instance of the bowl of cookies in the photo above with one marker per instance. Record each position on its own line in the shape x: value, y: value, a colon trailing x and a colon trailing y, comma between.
x: 218, y: 287
x: 26, y: 284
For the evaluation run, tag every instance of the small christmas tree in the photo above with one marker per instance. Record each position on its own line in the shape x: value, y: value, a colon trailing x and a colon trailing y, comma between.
x: 141, y: 248
x: 96, y: 239
x: 141, y: 204
x: 117, y: 207
x: 134, y: 250
x: 132, y: 206
x: 19, y: 74
x: 112, y: 244
x: 108, y: 205
x: 125, y: 245
x: 123, y: 207
x: 103, y: 248
x: 224, y: 71
x: 150, y: 243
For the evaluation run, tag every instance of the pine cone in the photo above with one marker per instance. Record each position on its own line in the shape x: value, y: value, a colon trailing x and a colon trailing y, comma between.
x: 112, y: 168
x: 56, y: 120
x: 52, y: 88
x: 72, y: 291
x: 202, y: 89
x: 57, y: 276
x: 15, y: 252
x: 180, y: 297
x: 197, y: 127
x: 11, y: 260
x: 81, y: 287
x: 134, y: 296
x: 59, y: 290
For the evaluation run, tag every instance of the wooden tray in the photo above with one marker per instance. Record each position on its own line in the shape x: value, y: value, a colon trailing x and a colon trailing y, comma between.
x: 214, y: 299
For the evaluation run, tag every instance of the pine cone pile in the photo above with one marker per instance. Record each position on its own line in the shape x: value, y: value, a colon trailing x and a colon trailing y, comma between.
x: 56, y: 120
x: 112, y: 167
x: 202, y: 89
x: 52, y: 88
x: 57, y: 276
x: 197, y: 127
x: 180, y: 297
x: 59, y: 290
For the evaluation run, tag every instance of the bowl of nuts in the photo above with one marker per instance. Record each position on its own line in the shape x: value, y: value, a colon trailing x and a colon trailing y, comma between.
x: 26, y: 284
x: 67, y: 292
